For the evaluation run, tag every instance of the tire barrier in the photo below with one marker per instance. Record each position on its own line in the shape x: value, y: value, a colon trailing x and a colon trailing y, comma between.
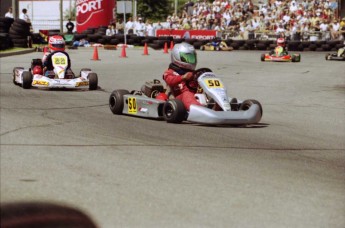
x: 5, y: 24
x: 5, y: 41
x: 18, y: 31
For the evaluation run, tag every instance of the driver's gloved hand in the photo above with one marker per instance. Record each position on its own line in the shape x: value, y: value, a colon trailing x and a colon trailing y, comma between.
x: 187, y: 76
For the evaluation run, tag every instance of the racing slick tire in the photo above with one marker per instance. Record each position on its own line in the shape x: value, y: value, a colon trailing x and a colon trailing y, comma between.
x: 202, y: 48
x: 27, y: 80
x: 245, y: 105
x: 14, y: 78
x: 43, y: 214
x: 93, y: 81
x: 262, y: 57
x: 116, y: 101
x: 296, y: 58
x: 174, y: 111
x: 327, y: 57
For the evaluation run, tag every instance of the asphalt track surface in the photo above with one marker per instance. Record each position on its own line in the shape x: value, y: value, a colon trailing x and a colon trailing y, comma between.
x: 288, y: 171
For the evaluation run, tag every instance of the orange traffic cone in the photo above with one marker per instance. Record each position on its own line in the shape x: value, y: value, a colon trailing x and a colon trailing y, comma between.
x: 95, y: 54
x: 171, y: 45
x: 123, y: 53
x: 166, y: 48
x: 146, y: 52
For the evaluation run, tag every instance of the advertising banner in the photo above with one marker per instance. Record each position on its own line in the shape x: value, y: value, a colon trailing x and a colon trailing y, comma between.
x: 187, y: 34
x: 94, y: 13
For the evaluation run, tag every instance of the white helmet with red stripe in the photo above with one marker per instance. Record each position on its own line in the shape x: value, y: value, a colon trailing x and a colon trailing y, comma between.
x: 56, y: 43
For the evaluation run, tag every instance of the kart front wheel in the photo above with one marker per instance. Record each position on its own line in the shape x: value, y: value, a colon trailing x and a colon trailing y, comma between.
x: 174, y: 111
x: 247, y: 103
x: 93, y: 81
x: 27, y: 80
x: 116, y: 101
x: 262, y: 57
x: 14, y: 74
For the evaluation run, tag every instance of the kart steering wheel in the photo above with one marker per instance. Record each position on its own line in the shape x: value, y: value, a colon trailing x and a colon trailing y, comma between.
x: 200, y: 71
x: 192, y: 84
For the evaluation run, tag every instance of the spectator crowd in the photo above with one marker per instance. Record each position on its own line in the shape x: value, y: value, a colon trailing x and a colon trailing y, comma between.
x: 292, y: 19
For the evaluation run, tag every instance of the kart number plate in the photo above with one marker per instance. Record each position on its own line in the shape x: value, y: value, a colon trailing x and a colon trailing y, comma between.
x: 213, y: 83
x: 60, y: 61
x: 132, y: 105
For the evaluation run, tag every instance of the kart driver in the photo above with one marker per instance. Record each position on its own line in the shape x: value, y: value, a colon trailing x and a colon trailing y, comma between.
x: 56, y: 44
x: 180, y: 71
x: 280, y: 43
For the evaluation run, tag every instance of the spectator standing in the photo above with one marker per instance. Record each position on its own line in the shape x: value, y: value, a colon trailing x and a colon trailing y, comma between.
x: 110, y: 30
x: 129, y: 26
x: 140, y: 27
x: 251, y: 30
x: 324, y: 28
x: 158, y: 26
x: 70, y: 26
x: 119, y: 26
x: 335, y: 28
x: 9, y: 13
x: 280, y: 31
x: 150, y: 30
x: 24, y: 16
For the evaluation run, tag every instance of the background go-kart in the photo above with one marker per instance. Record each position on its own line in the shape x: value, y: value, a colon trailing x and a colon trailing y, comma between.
x: 287, y: 171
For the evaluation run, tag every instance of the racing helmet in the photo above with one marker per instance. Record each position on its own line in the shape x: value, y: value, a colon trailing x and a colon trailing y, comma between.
x: 56, y: 43
x: 37, y: 70
x: 184, y: 56
x: 281, y: 42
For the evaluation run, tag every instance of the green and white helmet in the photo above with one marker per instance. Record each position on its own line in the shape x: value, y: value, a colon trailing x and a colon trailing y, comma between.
x: 184, y: 56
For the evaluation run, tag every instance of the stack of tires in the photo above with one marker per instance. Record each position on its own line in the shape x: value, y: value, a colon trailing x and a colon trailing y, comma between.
x: 5, y: 40
x: 5, y: 24
x: 19, y: 33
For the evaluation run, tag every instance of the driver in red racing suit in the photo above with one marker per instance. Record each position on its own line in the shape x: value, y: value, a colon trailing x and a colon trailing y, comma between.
x: 180, y: 72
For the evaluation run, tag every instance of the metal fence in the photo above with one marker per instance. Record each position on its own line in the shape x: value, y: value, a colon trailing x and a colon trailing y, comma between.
x: 48, y: 25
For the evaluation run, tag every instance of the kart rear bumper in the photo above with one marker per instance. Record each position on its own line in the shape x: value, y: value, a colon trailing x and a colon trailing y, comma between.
x: 336, y: 58
x: 200, y: 114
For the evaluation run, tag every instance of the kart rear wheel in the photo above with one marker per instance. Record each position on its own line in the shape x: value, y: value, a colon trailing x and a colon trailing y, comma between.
x: 296, y: 58
x: 116, y: 101
x: 247, y: 103
x: 14, y: 77
x: 262, y: 57
x: 327, y: 57
x: 202, y: 48
x: 174, y: 111
x: 93, y: 81
x: 27, y: 80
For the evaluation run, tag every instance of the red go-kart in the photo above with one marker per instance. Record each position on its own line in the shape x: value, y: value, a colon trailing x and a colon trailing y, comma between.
x: 279, y: 55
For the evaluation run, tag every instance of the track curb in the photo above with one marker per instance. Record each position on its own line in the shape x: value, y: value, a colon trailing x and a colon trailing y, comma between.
x: 17, y: 52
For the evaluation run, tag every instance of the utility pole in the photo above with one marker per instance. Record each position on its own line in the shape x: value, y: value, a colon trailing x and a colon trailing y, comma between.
x: 14, y: 8
x: 61, y: 17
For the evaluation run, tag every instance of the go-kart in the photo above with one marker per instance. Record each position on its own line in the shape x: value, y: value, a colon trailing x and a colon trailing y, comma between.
x: 279, y: 55
x: 340, y: 55
x: 216, y: 107
x: 60, y: 77
x: 216, y: 46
